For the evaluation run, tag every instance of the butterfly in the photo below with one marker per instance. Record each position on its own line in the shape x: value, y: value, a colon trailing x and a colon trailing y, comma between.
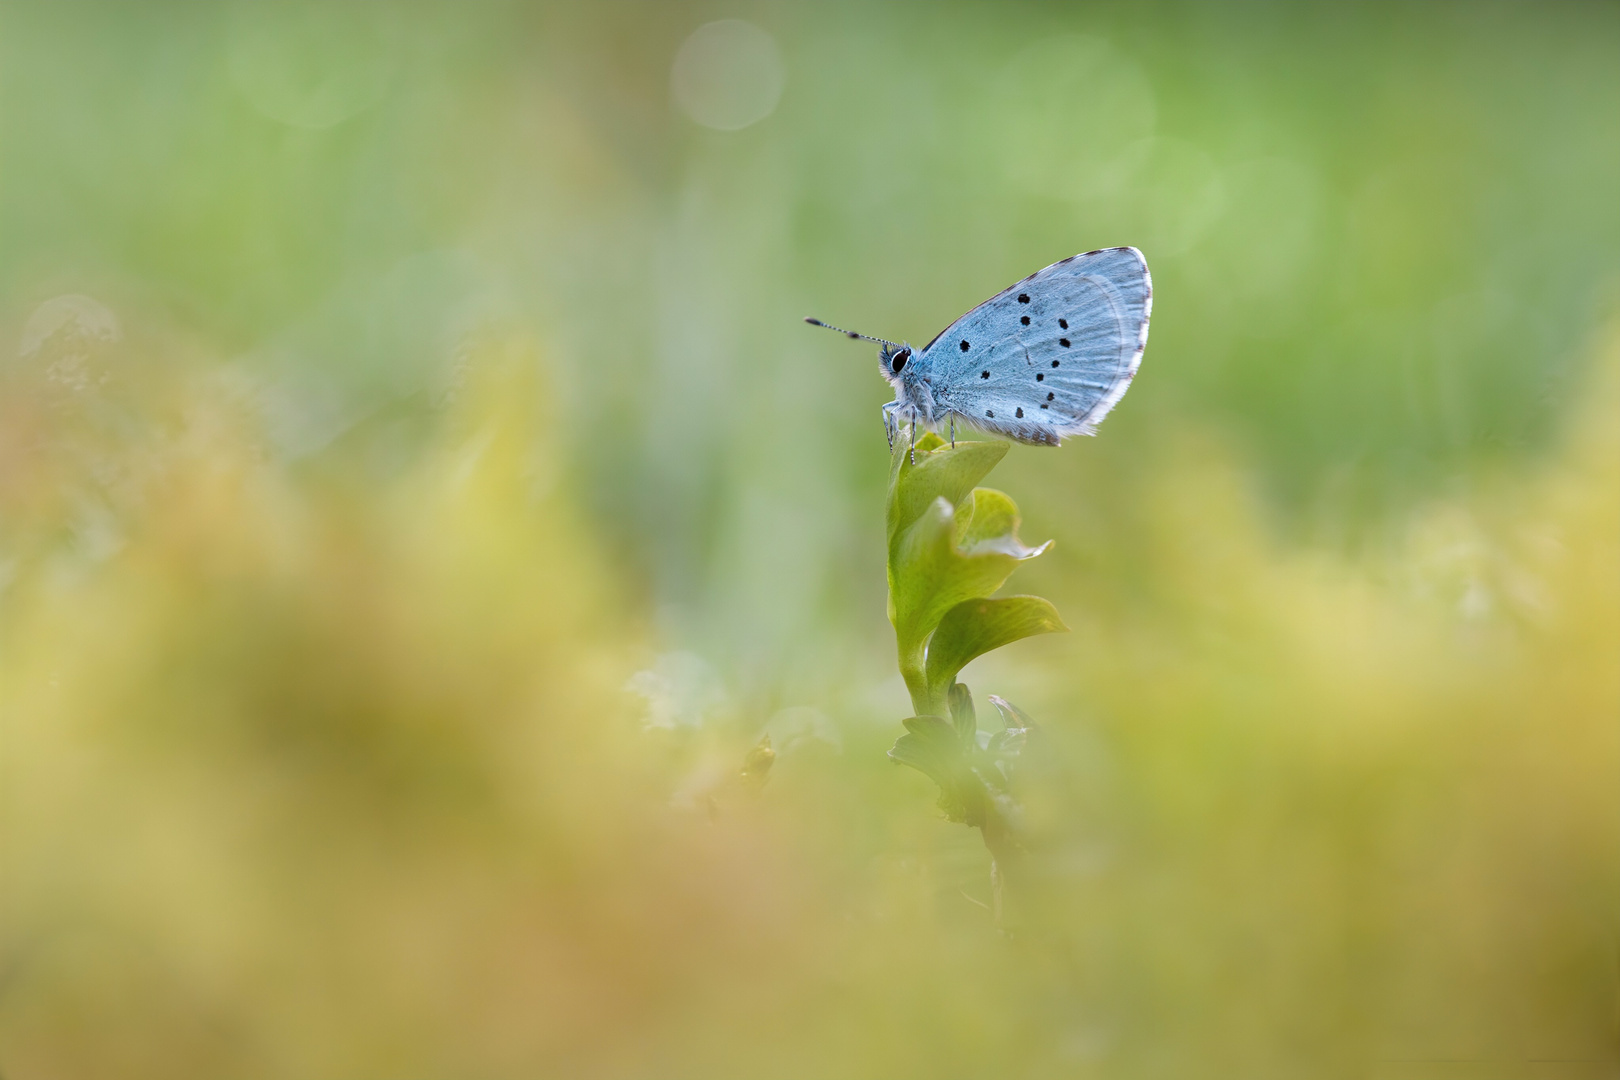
x: 1044, y: 358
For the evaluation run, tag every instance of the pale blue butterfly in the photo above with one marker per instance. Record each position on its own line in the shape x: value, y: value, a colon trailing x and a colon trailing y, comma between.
x: 1041, y: 359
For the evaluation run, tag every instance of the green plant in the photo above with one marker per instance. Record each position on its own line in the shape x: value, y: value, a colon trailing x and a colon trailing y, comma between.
x: 951, y: 546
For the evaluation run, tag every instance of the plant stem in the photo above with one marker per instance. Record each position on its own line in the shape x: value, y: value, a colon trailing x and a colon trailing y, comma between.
x: 924, y: 702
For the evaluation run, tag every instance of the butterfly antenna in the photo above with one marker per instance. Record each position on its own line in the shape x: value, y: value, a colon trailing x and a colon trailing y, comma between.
x: 851, y: 333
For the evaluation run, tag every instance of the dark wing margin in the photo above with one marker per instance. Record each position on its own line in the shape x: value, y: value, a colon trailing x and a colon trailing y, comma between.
x: 1038, y: 273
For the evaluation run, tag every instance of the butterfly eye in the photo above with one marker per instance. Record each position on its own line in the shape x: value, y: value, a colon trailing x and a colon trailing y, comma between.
x: 899, y: 360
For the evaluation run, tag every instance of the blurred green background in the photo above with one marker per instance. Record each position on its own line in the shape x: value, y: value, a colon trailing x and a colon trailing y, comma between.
x: 417, y: 492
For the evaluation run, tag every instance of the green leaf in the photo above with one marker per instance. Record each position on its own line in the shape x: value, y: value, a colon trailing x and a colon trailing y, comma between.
x: 935, y: 734
x: 974, y: 627
x: 931, y: 746
x: 1012, y: 746
x: 1014, y: 718
x: 989, y: 522
x: 940, y: 472
x: 963, y: 716
x: 929, y: 575
x: 949, y: 542
x: 951, y: 545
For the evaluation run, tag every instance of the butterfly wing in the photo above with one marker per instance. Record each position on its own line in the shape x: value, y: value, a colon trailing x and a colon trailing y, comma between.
x: 1051, y: 355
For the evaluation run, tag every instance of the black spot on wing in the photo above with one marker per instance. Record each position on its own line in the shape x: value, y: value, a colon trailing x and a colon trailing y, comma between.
x: 1020, y: 414
x: 1063, y: 323
x: 1063, y: 341
x: 984, y: 374
x: 1040, y: 377
x: 1023, y: 297
x: 964, y: 346
x: 991, y: 413
x: 1024, y: 319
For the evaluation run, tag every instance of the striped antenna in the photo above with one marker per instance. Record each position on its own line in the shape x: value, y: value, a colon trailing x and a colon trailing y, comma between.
x: 851, y: 333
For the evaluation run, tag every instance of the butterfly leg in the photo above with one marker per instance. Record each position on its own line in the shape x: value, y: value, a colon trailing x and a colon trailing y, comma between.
x: 953, y: 431
x: 890, y: 424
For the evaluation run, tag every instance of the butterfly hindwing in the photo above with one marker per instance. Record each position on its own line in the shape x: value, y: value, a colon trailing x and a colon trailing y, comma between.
x: 1051, y: 355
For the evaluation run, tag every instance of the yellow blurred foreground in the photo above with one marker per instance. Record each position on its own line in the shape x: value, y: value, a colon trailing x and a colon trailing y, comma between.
x: 308, y: 773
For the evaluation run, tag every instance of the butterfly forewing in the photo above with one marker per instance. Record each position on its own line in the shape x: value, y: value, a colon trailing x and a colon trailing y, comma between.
x: 1050, y: 355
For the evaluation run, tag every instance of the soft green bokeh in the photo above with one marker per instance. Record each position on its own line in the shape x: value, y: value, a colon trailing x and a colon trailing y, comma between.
x: 418, y: 493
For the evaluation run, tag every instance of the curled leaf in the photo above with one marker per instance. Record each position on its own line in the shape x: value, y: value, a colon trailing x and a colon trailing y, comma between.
x: 1012, y: 716
x: 930, y: 575
x: 974, y: 627
x: 940, y: 472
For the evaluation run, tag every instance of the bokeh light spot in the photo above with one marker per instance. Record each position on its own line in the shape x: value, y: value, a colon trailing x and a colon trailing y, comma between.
x: 74, y: 321
x: 728, y: 75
